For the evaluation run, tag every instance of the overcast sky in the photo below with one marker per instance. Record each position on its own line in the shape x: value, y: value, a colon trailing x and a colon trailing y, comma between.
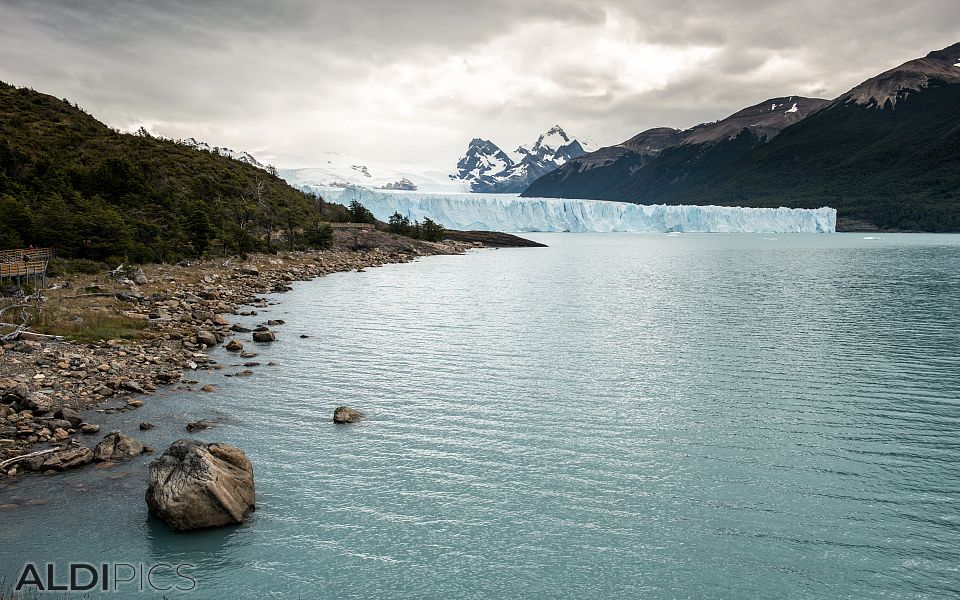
x: 412, y: 81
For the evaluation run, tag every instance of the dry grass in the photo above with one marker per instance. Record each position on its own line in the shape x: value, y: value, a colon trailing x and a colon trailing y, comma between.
x: 87, y: 324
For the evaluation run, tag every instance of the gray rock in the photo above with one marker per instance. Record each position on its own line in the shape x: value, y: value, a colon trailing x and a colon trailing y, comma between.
x: 68, y: 414
x: 132, y: 386
x: 132, y: 297
x: 249, y: 270
x: 345, y: 414
x: 199, y: 425
x: 195, y: 485
x: 206, y: 337
x: 61, y: 460
x: 239, y: 328
x: 89, y: 428
x: 117, y: 446
x: 27, y: 346
x: 13, y: 392
x: 139, y: 278
x: 39, y: 403
x: 58, y: 423
x: 159, y: 313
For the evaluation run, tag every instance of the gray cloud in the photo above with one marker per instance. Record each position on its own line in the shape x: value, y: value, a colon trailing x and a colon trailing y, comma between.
x: 414, y: 81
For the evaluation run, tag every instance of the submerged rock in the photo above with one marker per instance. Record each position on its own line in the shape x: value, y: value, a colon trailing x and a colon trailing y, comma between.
x: 345, y: 414
x: 117, y: 446
x: 199, y: 425
x: 194, y: 485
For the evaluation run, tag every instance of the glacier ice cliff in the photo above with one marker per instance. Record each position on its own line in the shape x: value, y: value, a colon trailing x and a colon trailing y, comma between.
x: 508, y: 212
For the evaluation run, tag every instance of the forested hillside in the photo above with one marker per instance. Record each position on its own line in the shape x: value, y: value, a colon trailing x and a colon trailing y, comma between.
x: 70, y: 182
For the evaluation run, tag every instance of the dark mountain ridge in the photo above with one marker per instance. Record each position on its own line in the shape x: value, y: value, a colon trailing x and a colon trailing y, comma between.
x: 884, y: 154
x: 660, y: 162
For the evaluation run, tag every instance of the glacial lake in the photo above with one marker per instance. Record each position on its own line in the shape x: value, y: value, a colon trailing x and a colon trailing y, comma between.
x: 617, y: 415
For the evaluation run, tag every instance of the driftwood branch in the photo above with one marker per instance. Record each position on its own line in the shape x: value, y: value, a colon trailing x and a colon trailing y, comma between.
x: 17, y: 459
x: 92, y: 295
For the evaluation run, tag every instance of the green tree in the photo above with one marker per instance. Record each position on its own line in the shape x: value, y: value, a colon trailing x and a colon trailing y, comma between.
x: 360, y: 214
x: 199, y: 228
x: 432, y: 231
x: 399, y: 224
x: 16, y: 222
x: 319, y: 235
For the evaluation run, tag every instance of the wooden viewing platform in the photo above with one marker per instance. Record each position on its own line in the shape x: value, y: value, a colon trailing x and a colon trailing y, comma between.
x: 25, y: 263
x: 40, y: 254
x: 361, y: 226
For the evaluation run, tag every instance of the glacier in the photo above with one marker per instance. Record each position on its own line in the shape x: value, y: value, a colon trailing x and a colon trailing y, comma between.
x: 509, y: 212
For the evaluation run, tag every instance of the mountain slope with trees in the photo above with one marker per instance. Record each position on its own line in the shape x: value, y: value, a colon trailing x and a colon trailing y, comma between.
x: 658, y: 164
x: 70, y: 182
x: 883, y: 154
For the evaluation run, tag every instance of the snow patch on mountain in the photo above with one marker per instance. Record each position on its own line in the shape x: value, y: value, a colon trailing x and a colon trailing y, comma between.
x: 244, y: 157
x: 339, y: 170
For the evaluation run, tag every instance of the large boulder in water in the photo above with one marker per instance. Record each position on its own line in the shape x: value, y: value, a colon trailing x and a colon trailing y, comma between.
x: 117, y: 446
x: 345, y: 414
x: 264, y: 336
x: 195, y: 485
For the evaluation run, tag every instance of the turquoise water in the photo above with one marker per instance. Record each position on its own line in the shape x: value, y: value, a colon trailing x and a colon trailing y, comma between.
x: 617, y: 415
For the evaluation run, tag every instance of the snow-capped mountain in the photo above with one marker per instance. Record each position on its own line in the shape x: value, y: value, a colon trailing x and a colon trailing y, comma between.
x: 487, y: 168
x: 554, y: 146
x: 244, y: 157
x: 338, y: 170
x: 483, y: 161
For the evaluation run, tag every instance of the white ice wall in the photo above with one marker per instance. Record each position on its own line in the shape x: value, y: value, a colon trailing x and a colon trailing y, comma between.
x: 507, y: 212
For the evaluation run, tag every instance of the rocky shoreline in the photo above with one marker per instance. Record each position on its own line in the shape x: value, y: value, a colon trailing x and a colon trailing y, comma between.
x: 183, y: 310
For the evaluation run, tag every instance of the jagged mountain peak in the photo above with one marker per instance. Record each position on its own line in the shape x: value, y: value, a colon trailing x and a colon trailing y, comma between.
x: 487, y: 168
x: 549, y: 143
x: 483, y: 159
